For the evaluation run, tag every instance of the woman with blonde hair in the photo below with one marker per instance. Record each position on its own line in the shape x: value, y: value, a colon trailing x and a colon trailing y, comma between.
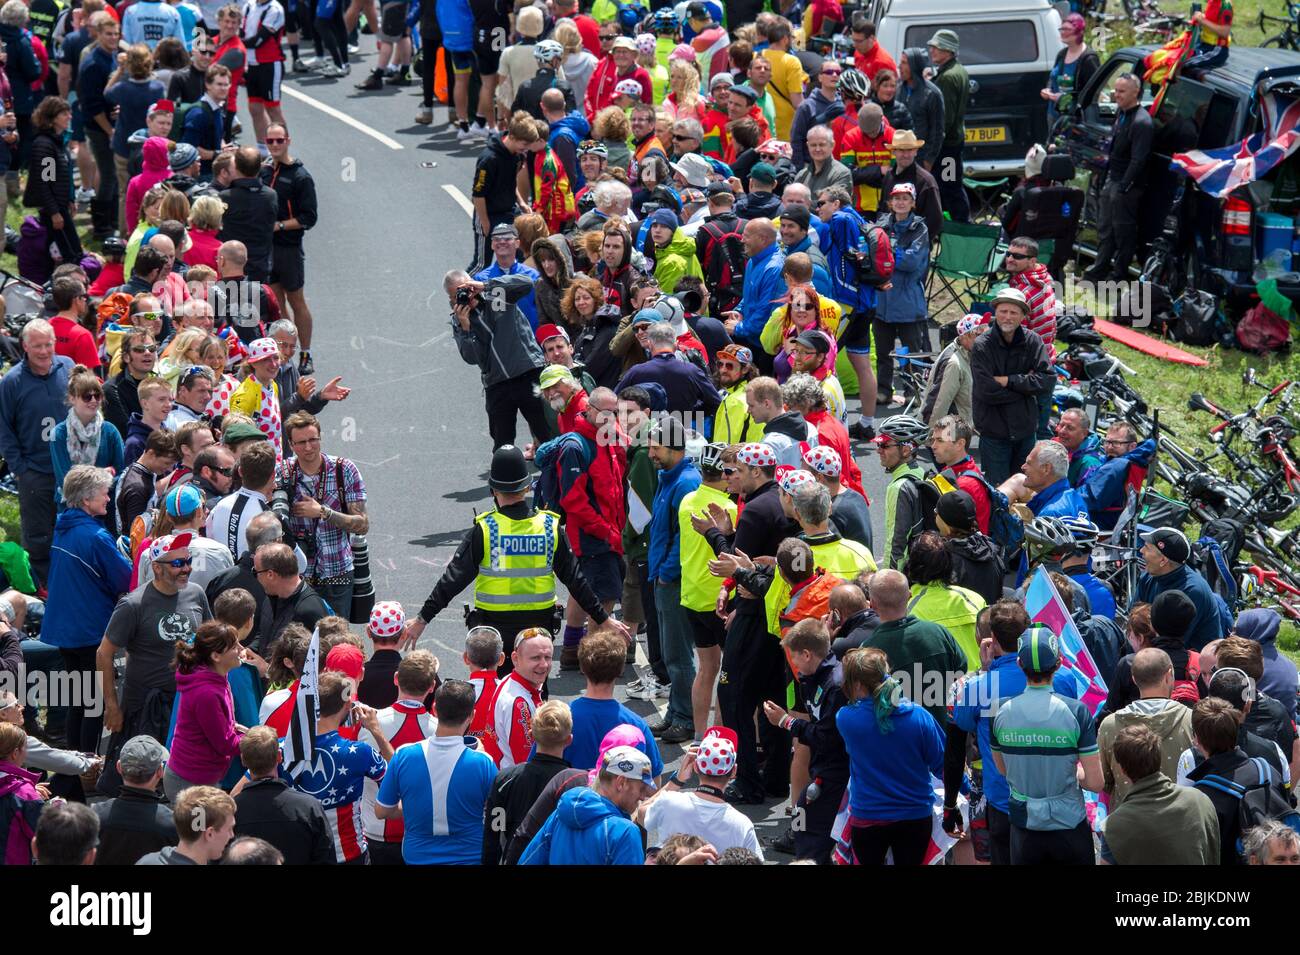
x: 531, y: 227
x: 799, y: 311
x: 215, y: 354
x: 647, y: 59
x: 185, y: 349
x: 578, y: 62
x: 683, y: 101
x: 613, y: 129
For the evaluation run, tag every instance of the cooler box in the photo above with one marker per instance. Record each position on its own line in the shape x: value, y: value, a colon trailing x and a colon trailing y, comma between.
x: 1275, y: 232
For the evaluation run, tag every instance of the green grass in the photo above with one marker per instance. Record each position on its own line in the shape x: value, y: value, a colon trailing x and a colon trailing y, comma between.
x: 9, y: 518
x: 1245, y: 28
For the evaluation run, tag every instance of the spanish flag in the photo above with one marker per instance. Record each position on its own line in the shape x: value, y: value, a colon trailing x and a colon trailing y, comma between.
x: 552, y: 192
x: 1162, y: 65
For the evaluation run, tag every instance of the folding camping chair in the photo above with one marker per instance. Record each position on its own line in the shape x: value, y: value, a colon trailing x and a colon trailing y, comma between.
x: 985, y: 196
x: 964, y: 266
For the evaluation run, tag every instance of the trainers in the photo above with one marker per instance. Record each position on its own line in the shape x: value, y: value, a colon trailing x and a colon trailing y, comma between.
x: 466, y: 135
x: 332, y: 70
x: 301, y: 66
x: 783, y: 843
x: 375, y: 81
x: 663, y: 691
x: 305, y: 365
x: 478, y: 130
x: 647, y: 690
x: 84, y: 196
x: 425, y: 116
x: 568, y: 659
x: 398, y: 79
x: 353, y: 49
x: 634, y: 686
x: 660, y: 727
x: 861, y: 432
x: 677, y: 733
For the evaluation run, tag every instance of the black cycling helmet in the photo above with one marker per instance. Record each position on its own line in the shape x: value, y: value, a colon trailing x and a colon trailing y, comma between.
x: 115, y: 245
x: 1047, y: 537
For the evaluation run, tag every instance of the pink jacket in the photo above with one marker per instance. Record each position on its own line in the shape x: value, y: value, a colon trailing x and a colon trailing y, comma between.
x: 156, y: 169
x: 205, y: 740
x: 20, y: 807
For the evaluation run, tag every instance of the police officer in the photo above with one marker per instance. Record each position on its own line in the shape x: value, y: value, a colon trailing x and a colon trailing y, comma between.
x: 513, y: 554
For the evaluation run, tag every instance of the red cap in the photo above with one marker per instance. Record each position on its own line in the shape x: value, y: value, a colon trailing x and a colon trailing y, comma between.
x: 346, y: 659
x: 162, y: 106
x: 550, y: 331
x: 722, y: 731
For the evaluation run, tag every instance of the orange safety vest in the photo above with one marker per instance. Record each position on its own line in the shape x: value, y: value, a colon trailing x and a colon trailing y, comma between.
x: 859, y: 151
x: 552, y: 192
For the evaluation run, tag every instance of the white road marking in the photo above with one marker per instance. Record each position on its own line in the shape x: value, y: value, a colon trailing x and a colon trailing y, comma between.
x: 343, y: 117
x: 461, y: 199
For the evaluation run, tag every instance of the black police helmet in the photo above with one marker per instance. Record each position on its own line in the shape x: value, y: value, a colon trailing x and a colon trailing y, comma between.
x: 509, y: 471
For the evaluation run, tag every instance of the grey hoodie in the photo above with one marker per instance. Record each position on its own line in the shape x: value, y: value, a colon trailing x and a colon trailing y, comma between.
x: 500, y: 340
x: 924, y: 101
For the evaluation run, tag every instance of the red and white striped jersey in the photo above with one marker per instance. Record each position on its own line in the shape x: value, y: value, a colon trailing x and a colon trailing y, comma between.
x: 481, y: 727
x: 512, y: 718
x: 405, y: 722
x: 269, y: 14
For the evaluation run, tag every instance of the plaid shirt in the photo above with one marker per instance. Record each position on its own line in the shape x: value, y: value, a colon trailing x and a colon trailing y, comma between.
x: 333, y: 546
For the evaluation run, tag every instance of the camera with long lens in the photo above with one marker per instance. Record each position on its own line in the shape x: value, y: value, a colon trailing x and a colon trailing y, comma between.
x: 463, y: 295
x: 280, y: 507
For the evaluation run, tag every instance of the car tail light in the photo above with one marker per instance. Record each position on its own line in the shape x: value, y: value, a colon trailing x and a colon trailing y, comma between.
x: 1236, y: 217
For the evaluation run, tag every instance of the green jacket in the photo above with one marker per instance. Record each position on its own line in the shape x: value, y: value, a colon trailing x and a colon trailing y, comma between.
x: 675, y: 260
x: 954, y: 609
x: 641, y: 482
x: 900, y: 492
x: 925, y: 658
x: 954, y: 82
x: 732, y: 422
x: 1162, y: 823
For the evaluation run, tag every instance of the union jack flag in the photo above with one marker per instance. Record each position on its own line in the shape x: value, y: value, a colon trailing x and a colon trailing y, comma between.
x: 1219, y: 171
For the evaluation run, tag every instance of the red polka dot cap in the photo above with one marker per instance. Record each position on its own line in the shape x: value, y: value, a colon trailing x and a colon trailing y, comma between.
x: 716, y: 757
x: 387, y: 619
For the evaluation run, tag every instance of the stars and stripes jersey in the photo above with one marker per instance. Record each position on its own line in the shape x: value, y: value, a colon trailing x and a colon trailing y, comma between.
x: 336, y: 777
x: 406, y: 721
x: 263, y: 30
x: 481, y: 726
x: 513, y: 706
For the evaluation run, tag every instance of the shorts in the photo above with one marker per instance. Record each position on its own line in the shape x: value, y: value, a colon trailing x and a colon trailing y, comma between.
x: 263, y: 81
x: 856, y: 335
x: 290, y: 18
x: 392, y: 22
x: 707, y: 628
x: 288, y: 267
x: 462, y: 61
x: 604, y: 572
x: 488, y: 59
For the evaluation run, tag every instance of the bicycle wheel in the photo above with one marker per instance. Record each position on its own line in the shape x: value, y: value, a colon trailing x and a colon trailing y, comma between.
x: 1275, y: 43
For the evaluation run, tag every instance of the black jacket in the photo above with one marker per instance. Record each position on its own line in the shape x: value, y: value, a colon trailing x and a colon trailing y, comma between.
x: 45, y: 193
x: 377, y: 688
x: 121, y: 401
x: 591, y: 347
x: 303, y: 606
x: 854, y: 632
x: 896, y: 114
x: 1240, y: 768
x: 295, y: 192
x: 291, y: 821
x: 1130, y: 148
x: 137, y: 822
x: 186, y: 85
x: 529, y: 95
x: 251, y: 214
x: 1124, y: 691
x: 820, y: 696
x: 977, y: 565
x: 512, y: 795
x: 758, y: 205
x: 11, y: 652
x: 924, y: 101
x: 1010, y: 413
x: 242, y: 576
x: 761, y: 528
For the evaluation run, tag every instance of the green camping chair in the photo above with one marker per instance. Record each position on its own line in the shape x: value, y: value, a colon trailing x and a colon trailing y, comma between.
x: 985, y: 196
x: 964, y: 267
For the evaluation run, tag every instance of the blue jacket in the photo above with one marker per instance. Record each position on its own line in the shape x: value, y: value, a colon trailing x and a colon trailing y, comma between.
x: 1089, y: 447
x: 1058, y: 500
x: 110, y: 455
x: 30, y: 408
x: 149, y: 21
x: 133, y: 98
x: 1210, y: 622
x: 1104, y: 489
x: 763, y: 287
x: 1100, y: 597
x: 890, y: 772
x: 97, y: 66
x: 688, y: 386
x: 87, y: 575
x: 527, y: 304
x: 574, y: 127
x: 845, y: 236
x: 137, y: 436
x: 585, y: 829
x: 22, y: 68
x: 905, y: 301
x: 821, y: 278
x: 456, y: 21
x: 665, y: 557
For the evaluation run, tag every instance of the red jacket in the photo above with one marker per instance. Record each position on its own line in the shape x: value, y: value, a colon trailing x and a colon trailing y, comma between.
x: 1041, y: 295
x: 875, y: 61
x: 688, y: 342
x: 592, y: 490
x: 572, y: 413
x: 600, y: 88
x: 834, y: 435
x: 975, y: 488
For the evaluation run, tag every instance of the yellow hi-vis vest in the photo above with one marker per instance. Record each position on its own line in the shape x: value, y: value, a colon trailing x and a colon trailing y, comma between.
x: 517, y: 571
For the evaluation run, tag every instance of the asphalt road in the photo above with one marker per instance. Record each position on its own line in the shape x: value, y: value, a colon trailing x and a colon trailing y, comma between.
x: 390, y: 227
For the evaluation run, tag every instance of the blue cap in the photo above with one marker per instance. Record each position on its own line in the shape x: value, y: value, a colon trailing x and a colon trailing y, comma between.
x: 646, y: 316
x: 1039, y: 650
x: 665, y: 217
x: 184, y: 500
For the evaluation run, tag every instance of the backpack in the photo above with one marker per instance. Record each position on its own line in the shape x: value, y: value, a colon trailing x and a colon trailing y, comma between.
x: 929, y: 494
x: 1006, y: 528
x: 1217, y: 550
x: 724, y: 262
x: 1255, y: 804
x: 1187, y: 691
x: 548, y: 481
x: 875, y: 264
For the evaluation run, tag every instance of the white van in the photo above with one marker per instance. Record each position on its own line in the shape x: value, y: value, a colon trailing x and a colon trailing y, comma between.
x: 1008, y: 48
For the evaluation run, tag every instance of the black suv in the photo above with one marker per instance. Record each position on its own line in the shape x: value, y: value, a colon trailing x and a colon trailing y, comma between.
x: 1216, y: 238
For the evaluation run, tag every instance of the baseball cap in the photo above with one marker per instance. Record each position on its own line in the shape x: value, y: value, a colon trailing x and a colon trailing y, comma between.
x: 903, y: 187
x: 546, y: 332
x: 757, y: 455
x: 698, y: 11
x: 788, y: 477
x: 170, y: 544
x: 630, y: 763
x: 142, y: 756
x: 261, y: 349
x: 716, y: 756
x: 387, y: 619
x: 969, y: 323
x: 692, y: 197
x: 1039, y: 650
x: 718, y: 188
x: 957, y: 510
x: 628, y: 88
x: 622, y: 43
x: 814, y: 339
x: 669, y: 432
x: 162, y: 106
x: 554, y: 374
x: 764, y: 173
x: 737, y: 353
x: 346, y: 659
x: 241, y: 431
x: 504, y: 228
x: 747, y: 91
x: 184, y: 500
x: 1172, y: 543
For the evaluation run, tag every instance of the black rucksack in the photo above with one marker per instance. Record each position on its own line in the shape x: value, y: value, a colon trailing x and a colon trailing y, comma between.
x: 1257, y: 803
x: 724, y: 263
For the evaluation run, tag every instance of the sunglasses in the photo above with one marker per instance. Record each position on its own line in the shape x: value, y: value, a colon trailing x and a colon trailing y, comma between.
x: 608, y: 37
x: 179, y: 562
x: 1018, y: 256
x: 886, y: 447
x: 225, y: 472
x: 730, y: 471
x: 819, y: 203
x: 92, y: 396
x: 831, y: 72
x: 144, y: 349
x: 728, y: 366
x: 149, y: 316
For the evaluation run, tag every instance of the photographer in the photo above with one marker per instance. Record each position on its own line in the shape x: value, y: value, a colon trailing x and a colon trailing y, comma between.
x: 327, y: 500
x: 493, y: 333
